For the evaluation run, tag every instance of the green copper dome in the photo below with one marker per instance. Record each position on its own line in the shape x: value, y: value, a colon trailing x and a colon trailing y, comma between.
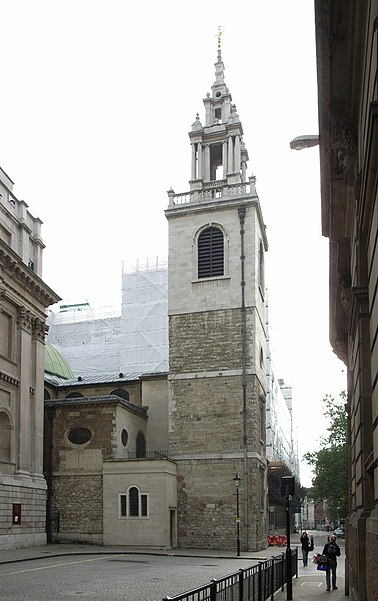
x: 55, y: 364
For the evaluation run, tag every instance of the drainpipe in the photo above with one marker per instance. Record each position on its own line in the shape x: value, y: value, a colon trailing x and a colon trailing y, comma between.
x: 241, y: 212
x: 49, y: 475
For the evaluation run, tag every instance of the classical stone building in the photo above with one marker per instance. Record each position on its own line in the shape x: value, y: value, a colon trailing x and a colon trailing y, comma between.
x: 203, y: 422
x: 217, y: 335
x: 347, y: 42
x: 24, y: 298
x: 108, y: 481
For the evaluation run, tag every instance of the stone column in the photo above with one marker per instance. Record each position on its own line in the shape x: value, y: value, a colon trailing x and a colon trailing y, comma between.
x: 224, y: 159
x: 37, y: 397
x: 200, y: 160
x: 207, y: 163
x: 230, y: 160
x: 24, y: 323
x: 244, y: 171
x: 194, y: 161
x: 237, y: 155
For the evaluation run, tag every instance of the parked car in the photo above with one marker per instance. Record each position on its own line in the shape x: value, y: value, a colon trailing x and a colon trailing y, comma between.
x: 340, y: 532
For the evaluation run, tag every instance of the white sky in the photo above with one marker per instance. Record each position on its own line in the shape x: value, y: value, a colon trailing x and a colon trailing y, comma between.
x: 97, y: 99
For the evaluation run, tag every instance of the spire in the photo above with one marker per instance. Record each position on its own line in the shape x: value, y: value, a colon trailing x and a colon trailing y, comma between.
x: 218, y: 149
x: 219, y: 66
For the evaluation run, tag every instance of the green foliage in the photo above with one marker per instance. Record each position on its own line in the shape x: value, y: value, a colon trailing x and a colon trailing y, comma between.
x: 330, y: 463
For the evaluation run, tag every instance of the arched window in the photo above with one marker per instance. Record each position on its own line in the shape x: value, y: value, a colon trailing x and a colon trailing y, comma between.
x: 210, y: 253
x: 74, y: 395
x: 121, y: 393
x: 133, y: 504
x: 140, y: 445
x: 5, y: 438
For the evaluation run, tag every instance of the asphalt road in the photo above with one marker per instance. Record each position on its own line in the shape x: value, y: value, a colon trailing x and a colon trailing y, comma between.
x: 122, y: 577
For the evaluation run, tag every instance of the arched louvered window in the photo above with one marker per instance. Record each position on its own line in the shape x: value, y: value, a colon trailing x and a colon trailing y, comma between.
x: 210, y: 253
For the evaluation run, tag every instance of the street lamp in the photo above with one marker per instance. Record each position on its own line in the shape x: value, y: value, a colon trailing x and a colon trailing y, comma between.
x: 301, y: 142
x: 236, y: 482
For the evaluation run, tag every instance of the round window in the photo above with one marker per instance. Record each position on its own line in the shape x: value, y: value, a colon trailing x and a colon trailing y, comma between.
x: 79, y: 435
x: 124, y: 437
x: 218, y: 94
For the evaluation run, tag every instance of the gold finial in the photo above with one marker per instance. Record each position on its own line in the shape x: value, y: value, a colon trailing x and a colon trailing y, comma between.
x: 219, y: 34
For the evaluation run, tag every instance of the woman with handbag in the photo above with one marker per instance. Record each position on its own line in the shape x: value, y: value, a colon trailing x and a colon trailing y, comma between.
x: 306, y: 547
x: 331, y: 551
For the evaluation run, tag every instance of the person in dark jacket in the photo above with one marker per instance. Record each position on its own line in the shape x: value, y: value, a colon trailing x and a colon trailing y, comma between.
x: 306, y: 544
x: 332, y: 552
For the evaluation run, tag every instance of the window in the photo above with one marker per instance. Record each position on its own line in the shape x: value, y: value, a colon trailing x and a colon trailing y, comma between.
x: 79, y: 436
x: 16, y: 514
x: 210, y: 253
x: 74, y: 395
x: 6, y: 334
x: 133, y: 504
x: 124, y: 437
x: 5, y: 437
x: 140, y: 445
x: 121, y: 393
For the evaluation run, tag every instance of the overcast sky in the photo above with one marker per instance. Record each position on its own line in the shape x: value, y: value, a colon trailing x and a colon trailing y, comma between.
x: 98, y: 97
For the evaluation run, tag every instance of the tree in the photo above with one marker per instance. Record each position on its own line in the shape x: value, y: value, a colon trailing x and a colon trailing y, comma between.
x: 330, y: 463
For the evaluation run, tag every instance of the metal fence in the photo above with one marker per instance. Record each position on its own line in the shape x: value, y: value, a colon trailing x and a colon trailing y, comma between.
x: 257, y: 583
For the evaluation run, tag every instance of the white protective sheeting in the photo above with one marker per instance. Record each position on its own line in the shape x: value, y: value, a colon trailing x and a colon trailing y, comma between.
x: 144, y: 340
x: 91, y: 347
x: 99, y: 344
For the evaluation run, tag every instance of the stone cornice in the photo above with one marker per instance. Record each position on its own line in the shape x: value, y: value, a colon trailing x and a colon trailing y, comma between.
x: 12, y: 265
x: 9, y: 379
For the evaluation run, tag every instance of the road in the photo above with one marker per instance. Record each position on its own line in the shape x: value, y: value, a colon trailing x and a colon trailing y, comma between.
x: 123, y: 577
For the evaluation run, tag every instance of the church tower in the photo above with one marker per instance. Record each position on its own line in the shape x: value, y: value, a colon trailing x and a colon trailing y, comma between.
x: 217, y: 336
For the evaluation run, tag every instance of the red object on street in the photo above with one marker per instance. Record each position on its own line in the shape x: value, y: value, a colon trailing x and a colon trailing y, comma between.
x: 277, y: 540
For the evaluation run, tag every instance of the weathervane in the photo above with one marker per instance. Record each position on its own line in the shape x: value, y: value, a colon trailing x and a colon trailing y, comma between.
x: 219, y: 34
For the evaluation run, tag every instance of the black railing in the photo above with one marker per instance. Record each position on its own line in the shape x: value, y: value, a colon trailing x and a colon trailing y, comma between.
x: 147, y: 455
x: 256, y: 583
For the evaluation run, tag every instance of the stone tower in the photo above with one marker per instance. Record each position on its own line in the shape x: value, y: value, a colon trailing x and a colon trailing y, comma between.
x: 217, y: 336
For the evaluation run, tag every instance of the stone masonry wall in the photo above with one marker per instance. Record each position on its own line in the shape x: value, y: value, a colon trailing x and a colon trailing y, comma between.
x: 206, y: 415
x: 206, y: 429
x: 78, y: 508
x: 205, y: 341
x: 98, y: 419
x: 206, y: 502
x: 32, y: 529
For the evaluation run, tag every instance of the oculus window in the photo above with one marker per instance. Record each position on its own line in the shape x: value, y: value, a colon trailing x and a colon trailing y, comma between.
x: 79, y: 436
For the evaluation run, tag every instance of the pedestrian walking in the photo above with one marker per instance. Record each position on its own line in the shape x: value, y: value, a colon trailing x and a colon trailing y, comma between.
x: 332, y: 552
x: 306, y: 546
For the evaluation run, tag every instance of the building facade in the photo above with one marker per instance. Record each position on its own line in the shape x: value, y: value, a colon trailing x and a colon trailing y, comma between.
x: 346, y: 39
x: 24, y: 298
x: 217, y: 335
x: 107, y: 483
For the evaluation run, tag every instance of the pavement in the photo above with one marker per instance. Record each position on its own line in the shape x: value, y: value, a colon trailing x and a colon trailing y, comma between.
x: 307, y: 586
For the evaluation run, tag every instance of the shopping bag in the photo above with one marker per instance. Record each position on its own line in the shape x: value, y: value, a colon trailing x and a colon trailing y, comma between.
x: 322, y: 567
